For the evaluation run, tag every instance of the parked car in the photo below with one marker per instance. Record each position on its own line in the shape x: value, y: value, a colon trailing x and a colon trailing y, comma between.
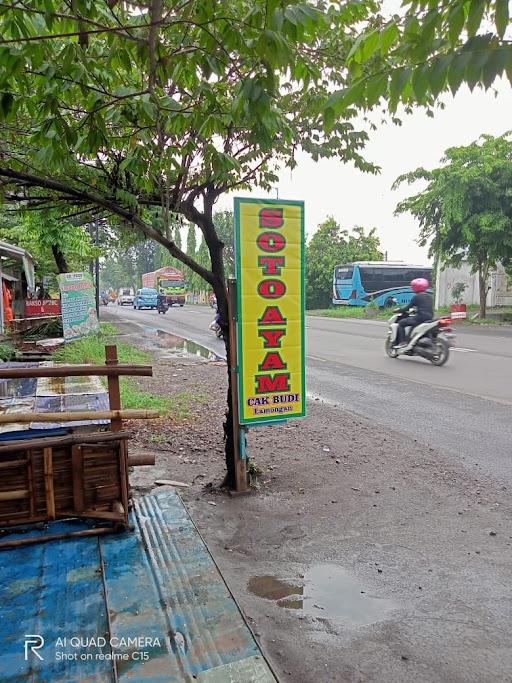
x: 125, y: 296
x: 145, y: 298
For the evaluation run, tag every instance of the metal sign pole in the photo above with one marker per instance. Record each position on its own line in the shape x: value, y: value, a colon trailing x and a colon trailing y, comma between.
x: 97, y: 269
x: 2, y: 327
x: 240, y: 461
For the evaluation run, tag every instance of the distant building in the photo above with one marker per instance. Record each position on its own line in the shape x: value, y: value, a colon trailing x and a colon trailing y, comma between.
x: 499, y: 288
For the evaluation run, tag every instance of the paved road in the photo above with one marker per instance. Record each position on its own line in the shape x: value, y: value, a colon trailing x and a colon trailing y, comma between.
x: 463, y: 408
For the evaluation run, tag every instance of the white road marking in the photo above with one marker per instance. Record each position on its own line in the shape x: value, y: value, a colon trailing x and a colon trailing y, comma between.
x: 322, y: 360
x: 456, y: 348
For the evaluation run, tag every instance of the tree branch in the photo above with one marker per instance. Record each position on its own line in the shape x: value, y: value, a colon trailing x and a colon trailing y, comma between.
x: 69, y: 192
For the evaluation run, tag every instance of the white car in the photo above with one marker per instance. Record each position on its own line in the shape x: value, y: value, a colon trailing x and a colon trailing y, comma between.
x: 125, y: 296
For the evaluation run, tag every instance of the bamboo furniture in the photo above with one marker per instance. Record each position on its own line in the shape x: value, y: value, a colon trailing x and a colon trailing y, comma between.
x: 82, y: 475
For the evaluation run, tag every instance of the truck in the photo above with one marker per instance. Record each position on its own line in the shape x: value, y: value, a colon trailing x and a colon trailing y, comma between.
x: 168, y: 280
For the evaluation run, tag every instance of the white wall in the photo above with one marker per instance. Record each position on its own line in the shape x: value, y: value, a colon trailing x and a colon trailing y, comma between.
x: 499, y: 294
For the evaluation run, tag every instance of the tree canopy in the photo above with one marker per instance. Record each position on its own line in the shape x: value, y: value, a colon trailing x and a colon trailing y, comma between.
x: 125, y: 106
x: 332, y: 246
x: 465, y: 211
x: 57, y: 244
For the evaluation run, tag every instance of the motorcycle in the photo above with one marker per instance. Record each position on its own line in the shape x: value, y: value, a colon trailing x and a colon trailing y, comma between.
x: 162, y: 306
x: 216, y: 328
x: 430, y: 340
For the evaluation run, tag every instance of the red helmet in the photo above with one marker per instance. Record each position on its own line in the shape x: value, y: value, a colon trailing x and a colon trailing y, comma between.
x: 420, y: 284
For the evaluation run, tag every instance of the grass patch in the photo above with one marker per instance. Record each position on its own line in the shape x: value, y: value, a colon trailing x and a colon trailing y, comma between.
x: 351, y: 312
x: 360, y: 312
x: 132, y: 396
x: 91, y: 349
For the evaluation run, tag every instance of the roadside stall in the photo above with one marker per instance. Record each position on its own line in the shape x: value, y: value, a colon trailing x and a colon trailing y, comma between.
x: 14, y: 289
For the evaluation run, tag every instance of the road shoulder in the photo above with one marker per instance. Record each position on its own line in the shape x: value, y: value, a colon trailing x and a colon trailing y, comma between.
x: 426, y: 538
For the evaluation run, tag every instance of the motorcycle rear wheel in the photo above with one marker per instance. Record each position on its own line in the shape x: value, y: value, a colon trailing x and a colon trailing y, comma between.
x: 389, y: 348
x: 442, y: 356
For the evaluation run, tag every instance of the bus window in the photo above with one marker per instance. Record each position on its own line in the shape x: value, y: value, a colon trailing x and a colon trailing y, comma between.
x: 344, y: 273
x: 375, y: 279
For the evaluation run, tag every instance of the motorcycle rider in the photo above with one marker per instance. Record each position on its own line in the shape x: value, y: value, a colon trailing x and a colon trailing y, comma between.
x: 424, y: 305
x: 161, y: 300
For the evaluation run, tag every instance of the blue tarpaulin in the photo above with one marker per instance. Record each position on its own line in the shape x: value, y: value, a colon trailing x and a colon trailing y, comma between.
x: 148, y: 605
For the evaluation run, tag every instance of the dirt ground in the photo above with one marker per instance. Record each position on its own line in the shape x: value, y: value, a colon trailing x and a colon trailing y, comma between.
x: 361, y: 557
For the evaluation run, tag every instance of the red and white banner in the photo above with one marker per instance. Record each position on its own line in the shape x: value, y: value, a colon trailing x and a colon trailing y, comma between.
x: 41, y: 307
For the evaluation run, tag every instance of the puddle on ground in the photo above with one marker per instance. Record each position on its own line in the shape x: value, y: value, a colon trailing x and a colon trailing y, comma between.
x: 179, y: 346
x: 326, y: 591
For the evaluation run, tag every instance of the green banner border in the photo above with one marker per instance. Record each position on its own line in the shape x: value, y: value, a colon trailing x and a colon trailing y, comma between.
x: 238, y: 201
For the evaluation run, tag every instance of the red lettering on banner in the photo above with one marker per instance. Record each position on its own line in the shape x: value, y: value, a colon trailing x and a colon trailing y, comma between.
x: 271, y: 289
x: 272, y: 338
x: 271, y: 242
x: 271, y: 265
x: 266, y: 384
x: 272, y: 316
x: 272, y: 361
x: 271, y: 218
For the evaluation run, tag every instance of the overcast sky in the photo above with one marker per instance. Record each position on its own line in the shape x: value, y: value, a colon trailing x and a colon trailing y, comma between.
x: 331, y: 188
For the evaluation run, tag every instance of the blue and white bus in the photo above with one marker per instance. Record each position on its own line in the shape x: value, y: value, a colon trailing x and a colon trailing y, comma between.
x: 384, y: 282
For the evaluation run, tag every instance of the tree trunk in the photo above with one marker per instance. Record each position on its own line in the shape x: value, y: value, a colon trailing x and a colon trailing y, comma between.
x: 215, y: 247
x: 223, y: 309
x: 60, y: 259
x: 482, y: 290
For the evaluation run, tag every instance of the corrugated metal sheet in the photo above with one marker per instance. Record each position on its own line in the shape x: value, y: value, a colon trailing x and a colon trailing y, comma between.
x: 154, y: 594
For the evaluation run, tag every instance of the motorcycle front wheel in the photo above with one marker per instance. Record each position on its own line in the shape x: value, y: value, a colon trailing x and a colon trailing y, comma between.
x: 390, y: 350
x: 442, y: 352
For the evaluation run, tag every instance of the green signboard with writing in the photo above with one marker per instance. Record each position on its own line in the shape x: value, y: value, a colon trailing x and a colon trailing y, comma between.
x: 78, y: 304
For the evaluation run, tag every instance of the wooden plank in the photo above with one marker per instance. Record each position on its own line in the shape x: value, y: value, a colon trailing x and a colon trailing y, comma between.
x: 78, y: 371
x: 22, y: 519
x: 92, y: 514
x: 114, y: 389
x: 30, y: 478
x: 14, y: 495
x: 48, y: 482
x: 80, y: 415
x: 143, y: 459
x: 56, y: 441
x: 123, y: 473
x: 13, y: 463
x: 32, y: 540
x: 77, y: 468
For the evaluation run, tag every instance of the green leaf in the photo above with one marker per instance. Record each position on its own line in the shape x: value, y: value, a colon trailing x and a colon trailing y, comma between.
x: 355, y: 48
x: 438, y: 74
x: 420, y: 82
x: 508, y: 70
x: 375, y: 89
x: 455, y: 23
x: 399, y: 79
x: 370, y: 45
x: 329, y: 119
x: 457, y: 70
x: 501, y: 17
x: 334, y: 102
x: 494, y: 66
x: 476, y: 12
x: 387, y: 38
x: 475, y: 65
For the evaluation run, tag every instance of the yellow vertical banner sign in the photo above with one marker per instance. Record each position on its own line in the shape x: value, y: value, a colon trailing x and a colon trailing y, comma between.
x: 269, y: 241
